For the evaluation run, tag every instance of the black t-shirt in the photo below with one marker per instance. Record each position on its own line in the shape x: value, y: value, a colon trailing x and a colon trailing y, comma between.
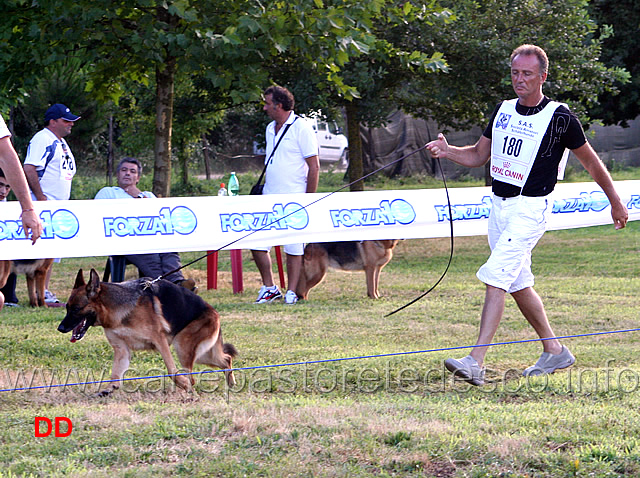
x: 564, y: 131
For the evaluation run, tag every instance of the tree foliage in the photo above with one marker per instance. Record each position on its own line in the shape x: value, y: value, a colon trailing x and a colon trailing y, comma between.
x: 63, y: 82
x: 174, y: 67
x: 224, y: 44
x: 374, y: 76
x: 460, y: 88
x: 619, y: 25
x: 477, y: 47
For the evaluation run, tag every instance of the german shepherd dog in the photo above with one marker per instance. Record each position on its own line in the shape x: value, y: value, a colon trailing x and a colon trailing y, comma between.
x: 139, y: 315
x: 36, y: 272
x: 369, y: 256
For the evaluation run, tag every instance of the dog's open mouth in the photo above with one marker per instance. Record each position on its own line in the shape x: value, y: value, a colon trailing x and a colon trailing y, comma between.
x: 79, y: 330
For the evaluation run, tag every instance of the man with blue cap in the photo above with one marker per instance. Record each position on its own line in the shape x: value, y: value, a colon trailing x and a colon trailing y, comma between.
x: 50, y: 165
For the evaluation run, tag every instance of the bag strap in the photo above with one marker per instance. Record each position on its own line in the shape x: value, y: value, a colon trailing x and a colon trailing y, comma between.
x: 264, y: 170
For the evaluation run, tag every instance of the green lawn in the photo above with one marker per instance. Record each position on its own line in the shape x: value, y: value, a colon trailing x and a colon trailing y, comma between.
x: 394, y: 415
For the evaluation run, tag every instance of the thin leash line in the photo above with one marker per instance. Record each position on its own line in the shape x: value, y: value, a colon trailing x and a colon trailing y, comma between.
x: 320, y: 361
x: 294, y: 212
x: 450, y: 253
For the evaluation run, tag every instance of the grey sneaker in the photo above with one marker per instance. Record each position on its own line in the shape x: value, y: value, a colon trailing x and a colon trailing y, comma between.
x: 467, y: 369
x: 268, y: 294
x: 549, y: 363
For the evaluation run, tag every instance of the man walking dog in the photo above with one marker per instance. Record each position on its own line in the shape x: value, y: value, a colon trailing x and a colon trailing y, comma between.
x: 526, y: 141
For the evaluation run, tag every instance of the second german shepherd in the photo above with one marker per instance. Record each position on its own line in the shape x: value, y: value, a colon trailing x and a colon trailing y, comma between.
x: 369, y: 256
x: 138, y: 315
x: 36, y: 272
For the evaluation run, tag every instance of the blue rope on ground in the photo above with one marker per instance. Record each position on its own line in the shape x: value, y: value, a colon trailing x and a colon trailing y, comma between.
x: 256, y: 367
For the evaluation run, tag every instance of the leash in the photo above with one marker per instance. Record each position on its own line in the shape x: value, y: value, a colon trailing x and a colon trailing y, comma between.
x: 450, y: 253
x: 149, y: 283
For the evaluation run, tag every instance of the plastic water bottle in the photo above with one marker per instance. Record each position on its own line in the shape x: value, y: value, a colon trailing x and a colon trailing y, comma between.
x: 234, y: 186
x: 222, y: 191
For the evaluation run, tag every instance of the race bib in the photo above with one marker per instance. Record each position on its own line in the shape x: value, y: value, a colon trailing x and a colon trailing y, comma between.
x: 516, y: 140
x: 67, y: 164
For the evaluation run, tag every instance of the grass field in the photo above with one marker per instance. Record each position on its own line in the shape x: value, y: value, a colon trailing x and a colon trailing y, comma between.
x: 377, y: 414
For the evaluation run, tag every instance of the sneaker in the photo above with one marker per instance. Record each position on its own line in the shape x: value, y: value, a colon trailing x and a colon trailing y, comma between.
x: 467, y: 369
x: 290, y: 297
x: 549, y: 363
x: 51, y: 300
x: 11, y: 304
x: 268, y: 294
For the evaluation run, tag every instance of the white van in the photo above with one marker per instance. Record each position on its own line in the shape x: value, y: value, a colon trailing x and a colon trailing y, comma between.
x: 333, y: 145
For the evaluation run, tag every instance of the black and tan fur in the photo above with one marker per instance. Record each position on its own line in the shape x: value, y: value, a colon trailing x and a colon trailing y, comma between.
x: 138, y: 316
x: 369, y: 256
x: 36, y: 272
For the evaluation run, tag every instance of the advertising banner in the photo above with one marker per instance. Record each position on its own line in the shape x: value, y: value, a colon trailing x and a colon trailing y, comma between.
x: 128, y: 226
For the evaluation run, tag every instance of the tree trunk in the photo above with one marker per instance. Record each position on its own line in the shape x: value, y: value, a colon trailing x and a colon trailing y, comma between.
x: 164, y: 116
x: 110, y: 153
x: 205, y: 154
x: 356, y: 168
x: 185, y: 169
x: 183, y: 156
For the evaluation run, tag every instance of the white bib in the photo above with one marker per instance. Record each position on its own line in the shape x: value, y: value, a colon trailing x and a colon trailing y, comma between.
x: 516, y: 140
x: 67, y: 163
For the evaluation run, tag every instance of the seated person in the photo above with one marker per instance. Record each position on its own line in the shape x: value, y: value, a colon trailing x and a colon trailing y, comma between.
x: 9, y: 289
x: 150, y: 265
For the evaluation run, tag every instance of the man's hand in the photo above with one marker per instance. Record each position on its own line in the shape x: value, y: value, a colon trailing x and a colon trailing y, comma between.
x: 620, y: 214
x: 439, y: 147
x: 31, y: 224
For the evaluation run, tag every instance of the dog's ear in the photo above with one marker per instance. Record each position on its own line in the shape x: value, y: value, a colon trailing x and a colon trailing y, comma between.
x: 93, y: 287
x: 79, y: 280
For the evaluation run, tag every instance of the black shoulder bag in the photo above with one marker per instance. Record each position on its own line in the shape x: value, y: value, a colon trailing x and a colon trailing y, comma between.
x: 257, y: 188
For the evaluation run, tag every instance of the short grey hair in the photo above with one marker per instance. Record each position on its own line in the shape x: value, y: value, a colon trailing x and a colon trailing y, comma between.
x: 533, y: 50
x: 132, y: 161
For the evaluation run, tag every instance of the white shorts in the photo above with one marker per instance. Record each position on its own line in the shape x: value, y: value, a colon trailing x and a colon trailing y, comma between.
x: 515, y: 227
x: 291, y: 249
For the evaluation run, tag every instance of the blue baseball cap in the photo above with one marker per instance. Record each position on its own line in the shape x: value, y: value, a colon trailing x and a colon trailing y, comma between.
x: 58, y: 111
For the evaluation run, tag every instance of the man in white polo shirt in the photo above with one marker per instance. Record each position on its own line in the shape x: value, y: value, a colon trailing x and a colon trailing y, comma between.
x: 50, y: 165
x: 293, y: 168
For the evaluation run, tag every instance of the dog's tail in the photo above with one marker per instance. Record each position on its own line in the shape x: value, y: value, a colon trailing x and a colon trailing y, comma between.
x: 230, y: 349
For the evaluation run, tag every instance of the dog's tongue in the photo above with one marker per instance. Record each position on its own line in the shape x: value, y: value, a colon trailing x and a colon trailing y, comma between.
x: 77, y: 332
